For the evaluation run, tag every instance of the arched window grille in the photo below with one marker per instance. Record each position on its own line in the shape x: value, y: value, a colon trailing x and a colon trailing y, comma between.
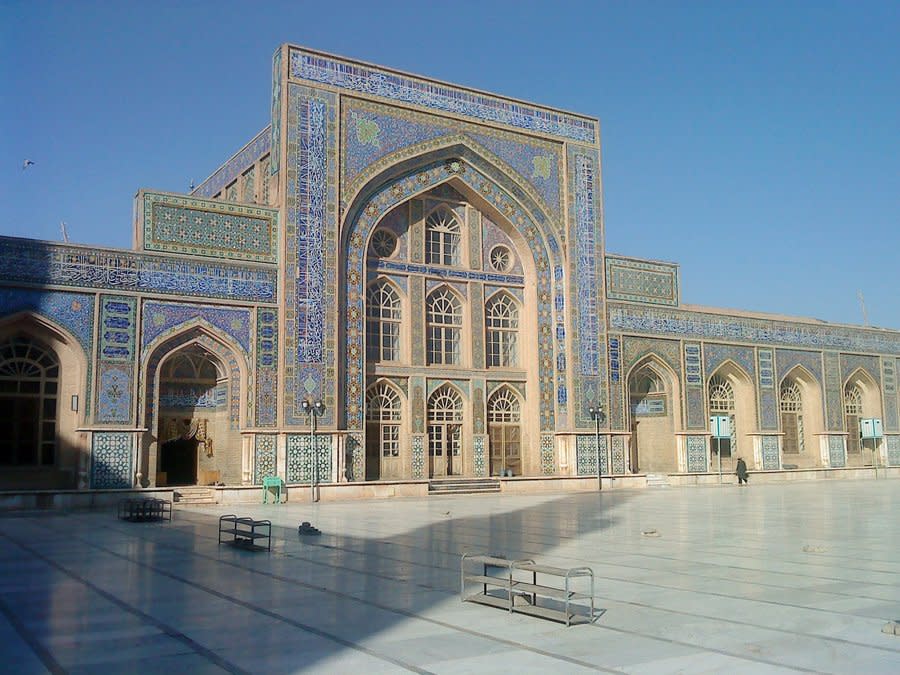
x: 502, y: 319
x: 853, y: 411
x: 721, y: 402
x: 383, y: 410
x: 505, y: 432
x: 444, y: 327
x: 29, y: 389
x: 383, y: 318
x: 647, y: 392
x: 442, y: 237
x: 792, y: 418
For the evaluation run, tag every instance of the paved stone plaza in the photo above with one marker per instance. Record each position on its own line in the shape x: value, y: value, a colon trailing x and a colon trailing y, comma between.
x: 764, y: 579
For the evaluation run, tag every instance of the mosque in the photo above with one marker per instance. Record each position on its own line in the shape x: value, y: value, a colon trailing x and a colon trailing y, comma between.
x: 400, y: 281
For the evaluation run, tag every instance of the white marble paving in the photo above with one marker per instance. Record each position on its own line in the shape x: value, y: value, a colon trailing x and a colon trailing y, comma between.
x: 773, y: 578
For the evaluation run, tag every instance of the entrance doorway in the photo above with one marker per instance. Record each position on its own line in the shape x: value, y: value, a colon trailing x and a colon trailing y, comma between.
x: 445, y: 433
x: 178, y: 461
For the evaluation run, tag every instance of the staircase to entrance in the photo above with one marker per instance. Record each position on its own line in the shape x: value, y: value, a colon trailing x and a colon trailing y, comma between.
x: 463, y: 486
x: 193, y: 494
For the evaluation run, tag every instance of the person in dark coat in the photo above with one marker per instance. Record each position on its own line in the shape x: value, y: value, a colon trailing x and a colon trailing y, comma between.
x: 741, y: 470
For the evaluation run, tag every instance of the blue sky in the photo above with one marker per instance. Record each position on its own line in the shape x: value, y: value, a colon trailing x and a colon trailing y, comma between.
x: 757, y: 144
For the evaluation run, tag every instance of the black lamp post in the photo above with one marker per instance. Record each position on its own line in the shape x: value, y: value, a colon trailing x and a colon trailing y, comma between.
x: 314, y: 410
x: 597, y: 416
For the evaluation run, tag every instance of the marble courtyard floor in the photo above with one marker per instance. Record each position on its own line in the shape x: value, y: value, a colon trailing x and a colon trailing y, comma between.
x: 765, y: 579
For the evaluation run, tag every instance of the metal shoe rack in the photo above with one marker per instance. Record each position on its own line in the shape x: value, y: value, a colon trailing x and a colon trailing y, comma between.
x: 526, y: 587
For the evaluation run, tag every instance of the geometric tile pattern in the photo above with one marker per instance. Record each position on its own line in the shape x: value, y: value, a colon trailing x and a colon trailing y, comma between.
x: 300, y: 463
x: 203, y: 227
x: 233, y: 168
x: 479, y: 456
x: 79, y: 266
x: 265, y: 460
x: 692, y: 370
x: 586, y: 233
x: 266, y: 367
x: 443, y: 97
x: 696, y: 454
x: 634, y: 280
x: 618, y: 455
x: 787, y: 359
x: 836, y: 456
x: 699, y: 325
x: 548, y: 456
x: 111, y: 460
x: 114, y: 393
x: 586, y: 455
x: 161, y: 317
x: 771, y: 459
x: 613, y: 359
x: 418, y: 456
x: 766, y: 368
x: 768, y: 410
x: 695, y: 400
x: 893, y: 450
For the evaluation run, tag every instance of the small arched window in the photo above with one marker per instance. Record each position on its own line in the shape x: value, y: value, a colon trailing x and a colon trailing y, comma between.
x: 384, y: 412
x: 502, y: 321
x: 853, y: 411
x: 442, y: 237
x: 721, y: 395
x: 792, y: 418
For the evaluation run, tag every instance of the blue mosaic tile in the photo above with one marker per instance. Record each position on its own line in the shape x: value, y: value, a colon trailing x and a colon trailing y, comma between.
x: 633, y: 280
x: 428, y: 94
x: 771, y: 456
x: 893, y: 450
x: 300, y: 461
x: 36, y: 262
x: 161, y: 317
x: 697, y: 456
x: 114, y: 395
x: 265, y: 460
x: 234, y: 167
x: 111, y: 460
x: 837, y: 456
x: 201, y: 227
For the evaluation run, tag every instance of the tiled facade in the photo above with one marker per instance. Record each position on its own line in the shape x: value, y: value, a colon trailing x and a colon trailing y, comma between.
x: 258, y: 279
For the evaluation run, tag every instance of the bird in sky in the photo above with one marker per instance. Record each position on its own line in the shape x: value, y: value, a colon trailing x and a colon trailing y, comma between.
x: 26, y: 164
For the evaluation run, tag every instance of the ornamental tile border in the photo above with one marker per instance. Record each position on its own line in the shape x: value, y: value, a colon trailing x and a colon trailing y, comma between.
x: 266, y: 367
x: 48, y: 264
x: 387, y: 84
x: 586, y: 455
x: 275, y: 155
x: 311, y: 252
x: 771, y: 456
x: 764, y: 332
x: 207, y: 227
x: 788, y: 359
x: 697, y: 456
x: 893, y: 450
x: 300, y: 461
x: 837, y: 457
x: 234, y: 167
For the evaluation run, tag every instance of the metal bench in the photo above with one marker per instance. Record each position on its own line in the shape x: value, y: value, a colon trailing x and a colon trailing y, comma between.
x: 245, y: 532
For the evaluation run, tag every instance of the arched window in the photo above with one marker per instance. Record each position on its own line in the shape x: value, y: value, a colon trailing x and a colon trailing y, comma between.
x: 853, y: 411
x: 445, y: 432
x: 29, y: 388
x: 444, y: 327
x: 383, y: 414
x: 792, y: 418
x: 647, y: 393
x: 505, y: 433
x: 442, y: 237
x: 502, y: 320
x: 382, y: 322
x: 721, y: 402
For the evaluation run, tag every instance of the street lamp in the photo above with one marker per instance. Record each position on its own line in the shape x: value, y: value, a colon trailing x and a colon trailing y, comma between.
x: 314, y: 410
x: 597, y: 416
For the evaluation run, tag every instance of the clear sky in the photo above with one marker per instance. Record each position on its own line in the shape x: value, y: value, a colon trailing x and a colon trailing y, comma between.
x: 756, y: 143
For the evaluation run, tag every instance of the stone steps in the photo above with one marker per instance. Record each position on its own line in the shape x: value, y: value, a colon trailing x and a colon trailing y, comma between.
x: 463, y: 486
x: 657, y: 480
x: 194, y: 495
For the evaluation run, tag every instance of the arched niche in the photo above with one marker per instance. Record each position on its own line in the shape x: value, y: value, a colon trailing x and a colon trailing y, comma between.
x: 654, y: 414
x: 802, y: 418
x: 729, y: 376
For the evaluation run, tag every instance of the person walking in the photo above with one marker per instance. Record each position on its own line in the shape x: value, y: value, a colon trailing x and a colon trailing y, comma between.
x: 741, y: 470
